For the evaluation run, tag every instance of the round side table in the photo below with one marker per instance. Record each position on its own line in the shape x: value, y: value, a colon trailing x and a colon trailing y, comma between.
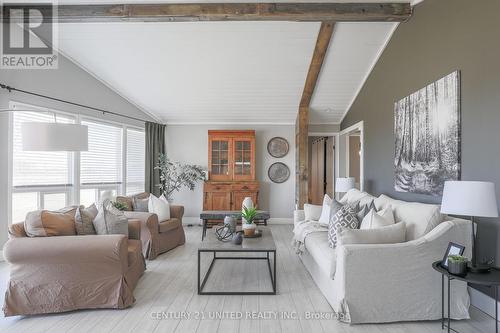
x: 490, y: 279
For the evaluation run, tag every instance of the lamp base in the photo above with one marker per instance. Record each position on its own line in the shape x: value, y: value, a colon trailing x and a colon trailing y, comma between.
x: 478, y: 268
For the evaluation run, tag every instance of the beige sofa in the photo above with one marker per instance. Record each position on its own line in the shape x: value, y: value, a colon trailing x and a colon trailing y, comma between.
x: 157, y: 236
x: 65, y: 273
x: 374, y: 283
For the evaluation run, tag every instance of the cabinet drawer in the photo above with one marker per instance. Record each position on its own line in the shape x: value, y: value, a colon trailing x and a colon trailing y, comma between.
x: 251, y: 187
x: 214, y: 187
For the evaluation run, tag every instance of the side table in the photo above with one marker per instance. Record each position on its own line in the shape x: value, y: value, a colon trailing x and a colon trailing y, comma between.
x: 490, y: 279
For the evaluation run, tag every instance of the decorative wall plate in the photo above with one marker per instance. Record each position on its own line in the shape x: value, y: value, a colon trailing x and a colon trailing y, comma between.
x: 278, y: 172
x: 277, y: 147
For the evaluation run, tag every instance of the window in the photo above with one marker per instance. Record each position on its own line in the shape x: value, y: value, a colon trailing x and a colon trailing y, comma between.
x: 114, y: 165
x: 40, y: 180
x: 101, y: 165
x: 136, y: 146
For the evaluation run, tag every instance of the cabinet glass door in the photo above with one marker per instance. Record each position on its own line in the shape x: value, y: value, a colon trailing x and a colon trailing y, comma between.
x: 243, y: 161
x: 220, y: 166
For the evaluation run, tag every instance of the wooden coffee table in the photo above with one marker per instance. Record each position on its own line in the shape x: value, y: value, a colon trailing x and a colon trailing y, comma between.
x: 208, y: 215
x: 264, y: 244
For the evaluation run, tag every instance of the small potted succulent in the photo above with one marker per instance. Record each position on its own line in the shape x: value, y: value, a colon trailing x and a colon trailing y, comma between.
x: 248, y: 215
x: 457, y: 265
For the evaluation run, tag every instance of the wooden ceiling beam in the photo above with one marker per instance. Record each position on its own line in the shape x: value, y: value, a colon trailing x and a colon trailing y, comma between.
x: 305, y: 12
x: 322, y: 43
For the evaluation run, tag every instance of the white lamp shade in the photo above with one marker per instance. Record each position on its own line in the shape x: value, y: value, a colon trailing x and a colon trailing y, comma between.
x: 469, y: 198
x: 344, y: 184
x: 38, y: 136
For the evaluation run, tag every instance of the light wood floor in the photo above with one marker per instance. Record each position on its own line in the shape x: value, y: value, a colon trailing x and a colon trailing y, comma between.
x: 169, y: 286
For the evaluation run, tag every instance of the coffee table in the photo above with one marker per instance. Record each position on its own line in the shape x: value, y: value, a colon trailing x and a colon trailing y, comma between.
x: 207, y: 215
x: 264, y: 244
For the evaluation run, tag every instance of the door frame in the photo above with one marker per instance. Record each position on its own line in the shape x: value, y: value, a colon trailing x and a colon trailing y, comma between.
x: 336, y: 156
x: 354, y: 128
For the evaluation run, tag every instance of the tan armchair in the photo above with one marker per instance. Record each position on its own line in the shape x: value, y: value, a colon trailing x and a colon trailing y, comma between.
x: 66, y: 273
x: 157, y: 237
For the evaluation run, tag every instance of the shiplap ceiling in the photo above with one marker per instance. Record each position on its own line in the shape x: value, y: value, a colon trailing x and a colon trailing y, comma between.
x: 225, y: 72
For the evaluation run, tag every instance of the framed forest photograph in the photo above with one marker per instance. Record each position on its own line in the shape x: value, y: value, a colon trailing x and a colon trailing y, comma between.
x: 427, y: 129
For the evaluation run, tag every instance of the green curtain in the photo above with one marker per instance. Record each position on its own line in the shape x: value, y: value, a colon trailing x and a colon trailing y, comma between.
x: 155, y: 145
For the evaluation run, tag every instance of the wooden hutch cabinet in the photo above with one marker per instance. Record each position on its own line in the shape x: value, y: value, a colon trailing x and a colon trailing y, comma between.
x: 231, y: 169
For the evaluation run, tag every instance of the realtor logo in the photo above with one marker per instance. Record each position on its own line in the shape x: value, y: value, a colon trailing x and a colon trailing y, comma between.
x: 29, y: 39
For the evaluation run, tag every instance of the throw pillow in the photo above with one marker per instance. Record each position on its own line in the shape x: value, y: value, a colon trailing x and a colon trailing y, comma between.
x: 110, y: 220
x: 44, y: 223
x: 390, y: 234
x: 312, y: 212
x: 84, y: 220
x: 378, y: 219
x: 345, y: 217
x: 160, y: 207
x: 140, y: 205
x: 325, y: 211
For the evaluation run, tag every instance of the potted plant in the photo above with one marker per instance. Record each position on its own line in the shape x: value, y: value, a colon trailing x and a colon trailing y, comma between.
x: 175, y: 175
x: 248, y: 215
x: 457, y: 265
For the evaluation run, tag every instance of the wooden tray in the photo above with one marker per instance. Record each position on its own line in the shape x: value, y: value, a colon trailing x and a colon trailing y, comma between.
x: 257, y: 234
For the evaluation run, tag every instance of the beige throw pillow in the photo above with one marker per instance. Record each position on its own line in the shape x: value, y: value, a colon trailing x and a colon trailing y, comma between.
x: 84, y: 220
x: 312, y: 212
x: 325, y: 211
x: 378, y: 219
x: 390, y: 234
x: 110, y: 220
x: 44, y: 223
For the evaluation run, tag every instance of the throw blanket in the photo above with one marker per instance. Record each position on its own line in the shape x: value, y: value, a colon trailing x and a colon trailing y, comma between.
x: 301, y: 230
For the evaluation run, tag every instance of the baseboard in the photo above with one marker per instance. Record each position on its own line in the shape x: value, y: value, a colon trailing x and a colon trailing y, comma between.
x: 482, y: 301
x: 193, y: 220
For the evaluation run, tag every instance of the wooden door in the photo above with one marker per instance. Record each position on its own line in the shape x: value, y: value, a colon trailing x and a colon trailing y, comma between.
x: 220, y: 157
x: 243, y: 158
x: 217, y: 201
x: 238, y: 198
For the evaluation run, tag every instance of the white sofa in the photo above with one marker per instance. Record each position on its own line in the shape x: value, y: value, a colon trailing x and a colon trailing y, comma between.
x: 375, y: 283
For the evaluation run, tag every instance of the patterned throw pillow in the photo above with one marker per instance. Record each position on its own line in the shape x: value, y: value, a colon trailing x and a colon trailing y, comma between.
x: 84, y: 220
x: 346, y: 218
x: 110, y: 220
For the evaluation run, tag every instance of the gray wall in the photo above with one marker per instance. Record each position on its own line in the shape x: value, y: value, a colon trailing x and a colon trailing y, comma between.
x: 67, y: 82
x: 324, y: 128
x: 189, y: 144
x: 442, y: 36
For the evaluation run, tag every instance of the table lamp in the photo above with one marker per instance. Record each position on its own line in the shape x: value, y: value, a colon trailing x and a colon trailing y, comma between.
x: 344, y: 184
x: 474, y: 199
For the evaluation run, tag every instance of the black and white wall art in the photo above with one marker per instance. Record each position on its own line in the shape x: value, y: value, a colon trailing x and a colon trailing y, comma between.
x: 427, y: 136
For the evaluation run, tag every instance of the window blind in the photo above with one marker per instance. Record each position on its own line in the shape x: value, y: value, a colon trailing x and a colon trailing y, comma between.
x: 136, y: 146
x: 36, y: 168
x: 102, y: 163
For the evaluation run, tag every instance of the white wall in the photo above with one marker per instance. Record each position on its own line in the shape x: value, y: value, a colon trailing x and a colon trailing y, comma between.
x: 189, y: 144
x: 68, y: 82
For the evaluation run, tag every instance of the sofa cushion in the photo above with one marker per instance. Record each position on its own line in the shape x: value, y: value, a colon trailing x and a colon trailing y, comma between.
x: 354, y: 195
x: 110, y: 220
x: 390, y: 234
x: 43, y: 223
x: 345, y: 217
x: 127, y: 201
x: 160, y: 207
x: 420, y: 218
x: 312, y: 212
x: 140, y: 205
x: 325, y: 210
x: 317, y: 246
x: 374, y: 219
x: 169, y: 224
x: 84, y: 218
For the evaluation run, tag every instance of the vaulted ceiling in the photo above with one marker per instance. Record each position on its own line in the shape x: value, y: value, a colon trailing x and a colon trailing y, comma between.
x: 226, y: 72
